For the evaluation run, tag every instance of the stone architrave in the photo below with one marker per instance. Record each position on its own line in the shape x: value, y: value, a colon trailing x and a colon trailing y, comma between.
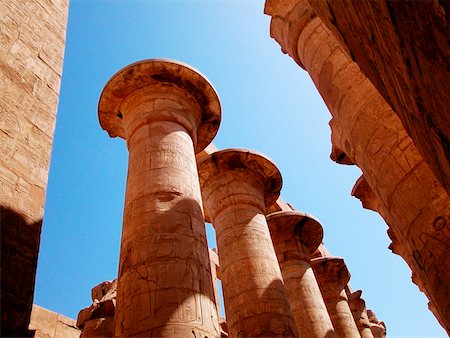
x: 167, y: 112
x: 295, y: 235
x: 237, y: 186
x: 332, y: 275
x: 358, y: 307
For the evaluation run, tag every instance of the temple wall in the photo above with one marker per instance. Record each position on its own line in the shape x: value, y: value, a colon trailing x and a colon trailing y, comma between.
x: 32, y: 39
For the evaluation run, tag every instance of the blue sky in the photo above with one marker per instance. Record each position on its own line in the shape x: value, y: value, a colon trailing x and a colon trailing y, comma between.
x: 269, y: 104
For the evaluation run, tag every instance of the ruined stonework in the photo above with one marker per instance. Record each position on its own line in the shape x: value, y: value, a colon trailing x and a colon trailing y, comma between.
x: 32, y: 38
x: 98, y: 319
x: 397, y: 181
x: 48, y: 324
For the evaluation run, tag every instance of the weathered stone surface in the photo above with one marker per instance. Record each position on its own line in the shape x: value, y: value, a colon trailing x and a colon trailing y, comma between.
x: 32, y: 36
x: 98, y: 319
x: 413, y: 36
x: 295, y: 235
x: 407, y: 194
x: 167, y: 112
x: 103, y: 289
x: 333, y: 276
x: 237, y: 186
x: 48, y: 324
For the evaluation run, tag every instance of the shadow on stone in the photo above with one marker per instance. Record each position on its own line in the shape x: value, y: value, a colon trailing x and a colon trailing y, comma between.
x: 20, y: 240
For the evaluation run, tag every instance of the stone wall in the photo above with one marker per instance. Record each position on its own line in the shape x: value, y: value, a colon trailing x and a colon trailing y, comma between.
x: 48, y: 324
x: 32, y: 39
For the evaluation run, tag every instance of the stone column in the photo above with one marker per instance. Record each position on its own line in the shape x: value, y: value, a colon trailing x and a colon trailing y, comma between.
x: 358, y: 308
x: 333, y: 276
x: 237, y: 185
x: 295, y: 235
x: 166, y: 112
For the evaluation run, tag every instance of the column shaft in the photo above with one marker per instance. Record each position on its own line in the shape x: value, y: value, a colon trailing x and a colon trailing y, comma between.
x: 164, y: 274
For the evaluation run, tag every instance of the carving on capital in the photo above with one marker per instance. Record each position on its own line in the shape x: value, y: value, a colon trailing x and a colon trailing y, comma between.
x: 331, y: 269
x: 289, y: 18
x: 305, y: 228
x: 173, y: 81
x: 362, y: 191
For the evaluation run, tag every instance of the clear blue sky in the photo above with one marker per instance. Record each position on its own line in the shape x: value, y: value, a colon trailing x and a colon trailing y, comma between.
x: 269, y: 104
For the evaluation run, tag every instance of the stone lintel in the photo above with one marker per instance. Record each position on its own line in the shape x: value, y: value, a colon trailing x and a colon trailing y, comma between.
x: 328, y: 269
x: 307, y: 229
x: 164, y: 73
x: 235, y: 159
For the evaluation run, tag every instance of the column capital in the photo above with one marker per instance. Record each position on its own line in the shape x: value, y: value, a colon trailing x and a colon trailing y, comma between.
x: 302, y: 226
x: 289, y: 18
x: 147, y: 79
x: 329, y: 269
x: 248, y: 162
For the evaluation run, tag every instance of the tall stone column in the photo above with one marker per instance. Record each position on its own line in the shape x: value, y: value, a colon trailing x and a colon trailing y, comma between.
x: 333, y: 276
x: 295, y: 235
x: 358, y: 307
x: 166, y: 112
x: 237, y: 185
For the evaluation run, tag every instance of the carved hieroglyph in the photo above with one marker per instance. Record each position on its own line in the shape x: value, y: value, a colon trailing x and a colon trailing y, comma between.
x: 166, y: 112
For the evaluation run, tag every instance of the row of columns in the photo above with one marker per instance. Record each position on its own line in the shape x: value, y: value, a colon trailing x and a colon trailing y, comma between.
x: 167, y: 112
x: 397, y: 182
